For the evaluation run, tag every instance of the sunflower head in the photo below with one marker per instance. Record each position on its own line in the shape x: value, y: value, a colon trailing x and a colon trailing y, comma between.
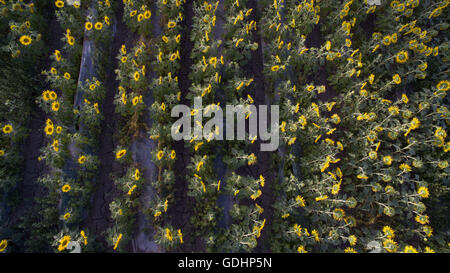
x: 66, y: 188
x: 7, y: 129
x: 25, y: 40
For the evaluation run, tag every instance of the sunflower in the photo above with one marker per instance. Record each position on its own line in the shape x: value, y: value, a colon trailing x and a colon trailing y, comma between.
x: 124, y: 59
x: 107, y: 20
x: 3, y: 245
x: 443, y: 85
x: 373, y: 155
x: 372, y: 136
x: 435, y: 51
x: 348, y: 42
x: 171, y: 24
x: 83, y: 234
x: 46, y: 95
x: 82, y: 159
x: 133, y: 13
x: 159, y: 155
x: 55, y: 145
x: 135, y: 100
x: 92, y: 87
x: 390, y: 245
x: 52, y: 95
x: 55, y: 106
x: 163, y: 106
x: 58, y: 129
x: 335, y: 188
x: 25, y: 40
x: 405, y: 98
x: 66, y: 188
x: 7, y: 129
x: 423, y: 66
x: 136, y: 76
x: 386, y: 40
x: 140, y: 17
x: 394, y: 38
x: 300, y: 201
x: 338, y: 214
x: 63, y: 243
x: 2, y: 152
x: 173, y: 57
x: 57, y: 55
x: 66, y: 216
x: 70, y: 40
x: 59, y: 4
x: 67, y: 76
x: 350, y: 250
x: 405, y: 167
x: 396, y: 78
x: 352, y: 240
x: 136, y: 174
x: 301, y: 249
x: 121, y: 153
x: 443, y: 164
x: 389, y: 189
x: 98, y: 25
x: 388, y: 232
x: 387, y: 160
x: 410, y: 249
x: 147, y: 14
x: 400, y: 7
x: 275, y: 68
x: 422, y: 219
x: 402, y: 57
x: 49, y: 129
x: 389, y: 211
x: 88, y: 25
x: 429, y: 250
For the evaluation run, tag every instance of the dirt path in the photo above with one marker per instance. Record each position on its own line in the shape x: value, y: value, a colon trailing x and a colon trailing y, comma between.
x: 181, y: 210
x: 98, y: 219
x: 264, y: 163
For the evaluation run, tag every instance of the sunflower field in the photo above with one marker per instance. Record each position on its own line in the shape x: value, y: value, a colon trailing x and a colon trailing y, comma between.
x: 88, y: 162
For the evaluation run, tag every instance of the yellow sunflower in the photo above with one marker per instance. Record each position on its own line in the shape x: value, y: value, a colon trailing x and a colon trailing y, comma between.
x: 136, y: 76
x: 402, y: 57
x: 396, y: 78
x: 98, y: 25
x: 3, y: 245
x: 25, y: 40
x: 443, y: 85
x: 121, y: 153
x: 55, y: 106
x: 66, y: 188
x: 390, y: 245
x: 82, y: 159
x: 88, y: 25
x: 67, y: 216
x: 7, y: 129
x: 64, y: 242
x: 59, y: 4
